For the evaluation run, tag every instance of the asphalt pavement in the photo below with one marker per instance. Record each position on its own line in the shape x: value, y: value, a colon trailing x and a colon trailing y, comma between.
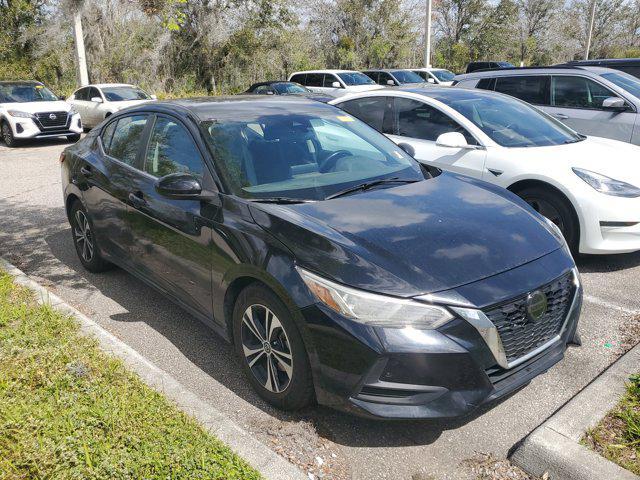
x: 35, y: 236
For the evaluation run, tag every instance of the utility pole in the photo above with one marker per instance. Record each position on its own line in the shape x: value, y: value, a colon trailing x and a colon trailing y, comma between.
x: 593, y: 17
x: 427, y: 36
x: 81, y: 59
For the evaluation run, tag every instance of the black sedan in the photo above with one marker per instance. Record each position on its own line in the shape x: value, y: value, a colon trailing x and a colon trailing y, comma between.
x: 342, y: 270
x: 281, y: 87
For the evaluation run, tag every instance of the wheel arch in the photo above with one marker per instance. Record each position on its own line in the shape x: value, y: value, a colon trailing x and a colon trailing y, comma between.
x: 68, y: 203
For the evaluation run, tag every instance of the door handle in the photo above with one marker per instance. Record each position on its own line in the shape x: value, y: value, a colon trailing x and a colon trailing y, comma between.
x: 137, y: 200
x: 560, y: 116
x: 86, y: 171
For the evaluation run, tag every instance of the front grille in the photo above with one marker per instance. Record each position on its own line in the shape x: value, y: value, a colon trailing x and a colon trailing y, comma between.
x: 519, y: 335
x: 59, y: 120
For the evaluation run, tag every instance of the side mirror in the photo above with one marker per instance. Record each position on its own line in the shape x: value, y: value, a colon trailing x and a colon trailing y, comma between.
x: 616, y: 104
x: 408, y: 149
x: 179, y: 186
x: 96, y: 99
x: 391, y: 82
x: 452, y: 140
x: 336, y: 85
x: 153, y: 97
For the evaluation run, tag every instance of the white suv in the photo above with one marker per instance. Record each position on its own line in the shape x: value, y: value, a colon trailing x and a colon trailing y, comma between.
x: 335, y: 82
x: 28, y: 109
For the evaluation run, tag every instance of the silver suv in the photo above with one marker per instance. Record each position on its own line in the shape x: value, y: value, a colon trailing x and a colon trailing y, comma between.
x: 592, y: 100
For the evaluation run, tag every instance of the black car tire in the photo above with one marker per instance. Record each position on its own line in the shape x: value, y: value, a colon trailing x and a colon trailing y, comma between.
x: 7, y: 135
x: 81, y: 232
x: 556, y: 208
x: 298, y: 391
x: 73, y: 138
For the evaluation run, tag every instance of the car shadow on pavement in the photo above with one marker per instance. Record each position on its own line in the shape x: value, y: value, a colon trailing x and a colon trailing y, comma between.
x: 607, y: 263
x: 37, y: 142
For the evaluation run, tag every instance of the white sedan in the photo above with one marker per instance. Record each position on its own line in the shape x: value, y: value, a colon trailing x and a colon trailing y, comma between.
x: 588, y: 186
x: 96, y: 102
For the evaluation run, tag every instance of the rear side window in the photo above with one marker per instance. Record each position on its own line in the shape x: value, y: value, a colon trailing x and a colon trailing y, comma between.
x: 418, y: 120
x: 578, y: 92
x: 171, y: 150
x: 314, y: 79
x: 126, y: 139
x: 486, y: 83
x: 533, y: 89
x: 374, y: 111
x: 299, y: 78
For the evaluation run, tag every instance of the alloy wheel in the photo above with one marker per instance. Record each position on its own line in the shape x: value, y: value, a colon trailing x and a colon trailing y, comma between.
x: 266, y: 348
x: 6, y: 134
x: 83, y: 236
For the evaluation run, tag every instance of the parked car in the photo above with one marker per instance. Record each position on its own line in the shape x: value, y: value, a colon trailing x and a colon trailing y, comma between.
x: 279, y: 87
x: 491, y: 65
x: 393, y: 77
x: 334, y: 82
x: 438, y: 76
x: 340, y: 268
x: 96, y: 102
x: 28, y: 109
x: 626, y: 65
x: 587, y: 186
x: 591, y: 100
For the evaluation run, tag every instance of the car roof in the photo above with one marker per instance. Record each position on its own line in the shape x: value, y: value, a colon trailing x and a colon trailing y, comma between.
x: 20, y: 82
x: 205, y: 108
x: 426, y: 69
x: 269, y: 82
x: 596, y: 61
x: 102, y: 85
x: 388, y: 70
x: 532, y: 70
x: 326, y: 71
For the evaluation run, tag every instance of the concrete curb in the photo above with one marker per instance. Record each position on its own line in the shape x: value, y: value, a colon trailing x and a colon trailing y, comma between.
x: 554, y: 446
x: 270, y: 465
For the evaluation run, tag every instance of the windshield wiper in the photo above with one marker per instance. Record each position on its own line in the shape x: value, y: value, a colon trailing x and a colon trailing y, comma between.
x: 368, y: 185
x: 279, y: 200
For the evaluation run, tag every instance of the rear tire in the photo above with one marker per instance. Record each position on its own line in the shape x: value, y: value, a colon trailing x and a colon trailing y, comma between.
x: 271, y: 349
x: 556, y: 208
x: 85, y: 240
x: 7, y: 135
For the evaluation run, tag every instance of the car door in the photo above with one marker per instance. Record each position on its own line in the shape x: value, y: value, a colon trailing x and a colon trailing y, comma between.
x: 420, y: 124
x: 94, y: 112
x: 577, y: 101
x: 79, y: 102
x: 108, y: 178
x: 172, y: 237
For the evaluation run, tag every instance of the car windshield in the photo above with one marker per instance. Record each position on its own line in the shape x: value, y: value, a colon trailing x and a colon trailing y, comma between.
x: 306, y: 153
x: 405, y: 76
x: 355, y: 78
x: 443, y: 75
x: 625, y: 81
x: 25, y: 92
x: 510, y: 122
x: 289, y: 88
x: 123, y: 94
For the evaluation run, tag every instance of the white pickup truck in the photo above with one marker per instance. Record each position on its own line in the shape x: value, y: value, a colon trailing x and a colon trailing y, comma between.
x: 28, y: 109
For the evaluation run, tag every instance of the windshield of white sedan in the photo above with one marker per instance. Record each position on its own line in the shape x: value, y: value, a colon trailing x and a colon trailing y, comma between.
x: 510, y: 122
x: 306, y: 156
x: 25, y: 92
x: 124, y: 94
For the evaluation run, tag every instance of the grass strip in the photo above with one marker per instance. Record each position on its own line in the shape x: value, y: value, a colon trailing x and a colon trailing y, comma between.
x: 617, y: 436
x: 70, y: 411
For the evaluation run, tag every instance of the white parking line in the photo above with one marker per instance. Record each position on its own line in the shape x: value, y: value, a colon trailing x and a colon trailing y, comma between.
x: 604, y: 303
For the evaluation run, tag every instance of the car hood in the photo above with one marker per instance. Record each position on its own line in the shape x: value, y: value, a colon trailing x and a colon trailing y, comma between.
x: 411, y: 239
x: 38, y: 107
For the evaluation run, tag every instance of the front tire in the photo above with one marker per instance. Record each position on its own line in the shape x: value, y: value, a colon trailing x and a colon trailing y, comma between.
x: 7, y: 135
x: 85, y: 241
x: 556, y: 208
x: 271, y: 349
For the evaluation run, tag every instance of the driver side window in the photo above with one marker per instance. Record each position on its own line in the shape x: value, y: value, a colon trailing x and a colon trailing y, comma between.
x: 418, y: 120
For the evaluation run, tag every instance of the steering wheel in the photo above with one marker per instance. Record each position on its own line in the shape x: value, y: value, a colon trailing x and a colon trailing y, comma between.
x: 330, y: 162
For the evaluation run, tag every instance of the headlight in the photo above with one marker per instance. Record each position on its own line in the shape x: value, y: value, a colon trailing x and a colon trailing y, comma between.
x: 607, y: 185
x: 373, y: 309
x: 73, y: 111
x: 18, y: 113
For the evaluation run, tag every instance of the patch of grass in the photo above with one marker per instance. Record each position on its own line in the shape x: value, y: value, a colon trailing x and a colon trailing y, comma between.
x: 70, y: 411
x: 617, y: 437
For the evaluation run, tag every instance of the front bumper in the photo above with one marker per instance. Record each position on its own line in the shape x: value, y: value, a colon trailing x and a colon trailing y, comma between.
x: 409, y: 373
x: 25, y: 128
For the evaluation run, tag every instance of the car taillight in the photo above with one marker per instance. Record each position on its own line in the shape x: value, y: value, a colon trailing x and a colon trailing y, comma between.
x: 62, y: 155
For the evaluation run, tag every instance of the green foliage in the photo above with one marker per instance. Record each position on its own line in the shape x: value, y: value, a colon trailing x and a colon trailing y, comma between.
x: 69, y: 411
